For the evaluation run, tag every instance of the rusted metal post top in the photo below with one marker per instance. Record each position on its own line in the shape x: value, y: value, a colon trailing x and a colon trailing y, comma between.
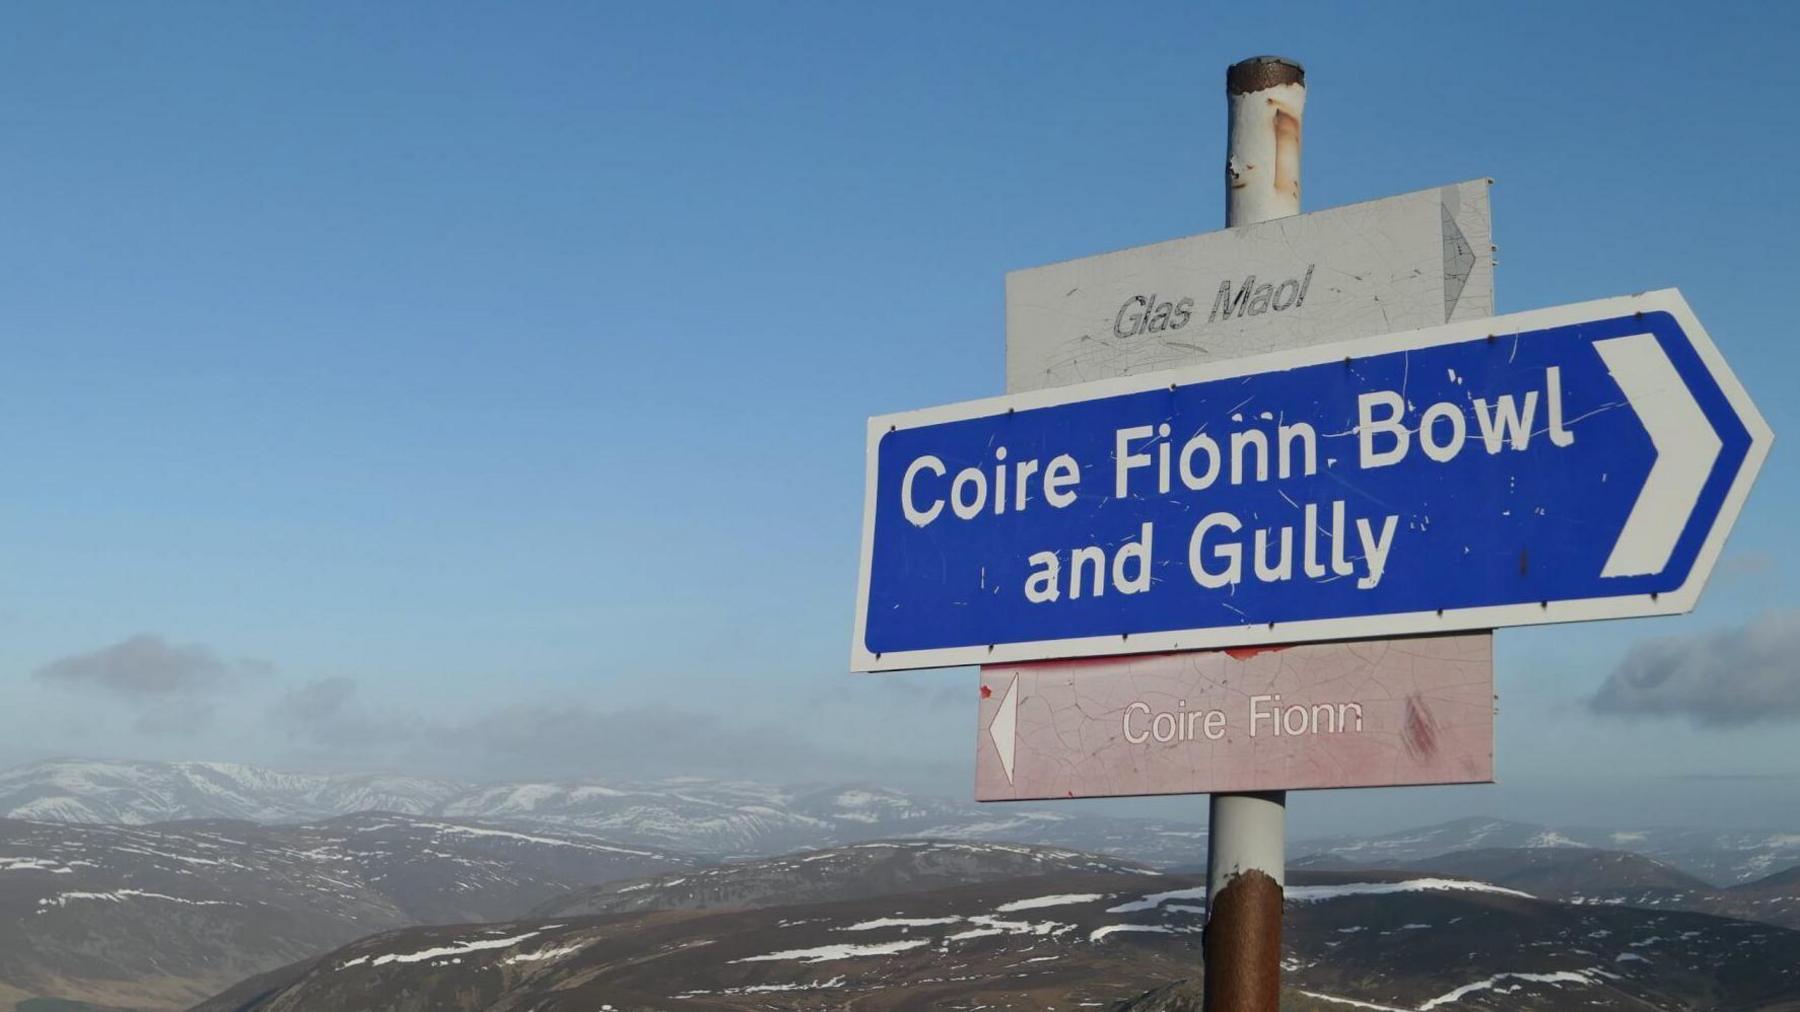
x: 1266, y: 99
x: 1260, y: 72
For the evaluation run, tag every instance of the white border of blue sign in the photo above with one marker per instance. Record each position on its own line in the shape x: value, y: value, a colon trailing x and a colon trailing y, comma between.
x: 1407, y: 624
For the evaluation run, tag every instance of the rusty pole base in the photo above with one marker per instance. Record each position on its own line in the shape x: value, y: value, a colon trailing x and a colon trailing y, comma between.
x: 1243, y: 928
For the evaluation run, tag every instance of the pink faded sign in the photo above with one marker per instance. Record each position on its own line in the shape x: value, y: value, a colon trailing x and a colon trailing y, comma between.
x: 1375, y: 714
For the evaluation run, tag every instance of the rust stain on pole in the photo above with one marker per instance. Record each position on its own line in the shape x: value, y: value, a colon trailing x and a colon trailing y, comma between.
x: 1239, y: 976
x: 1287, y: 151
x: 1267, y: 100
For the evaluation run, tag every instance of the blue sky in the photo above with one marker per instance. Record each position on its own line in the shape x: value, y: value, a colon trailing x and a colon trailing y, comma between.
x: 455, y: 377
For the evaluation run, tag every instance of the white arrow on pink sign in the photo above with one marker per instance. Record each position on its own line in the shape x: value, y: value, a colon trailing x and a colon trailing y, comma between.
x: 1374, y: 714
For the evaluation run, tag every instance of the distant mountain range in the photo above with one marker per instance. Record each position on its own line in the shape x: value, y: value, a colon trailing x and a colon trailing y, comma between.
x: 722, y: 819
x: 1584, y: 876
x: 707, y: 817
x: 1719, y: 856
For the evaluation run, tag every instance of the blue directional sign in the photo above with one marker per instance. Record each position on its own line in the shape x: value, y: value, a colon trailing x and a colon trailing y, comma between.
x: 1582, y: 462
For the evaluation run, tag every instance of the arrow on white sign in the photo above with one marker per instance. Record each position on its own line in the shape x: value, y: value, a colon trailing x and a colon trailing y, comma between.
x: 1005, y: 727
x: 1686, y: 447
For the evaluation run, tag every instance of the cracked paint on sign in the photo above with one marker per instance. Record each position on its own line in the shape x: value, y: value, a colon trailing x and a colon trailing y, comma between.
x: 1388, y: 265
x: 1374, y: 714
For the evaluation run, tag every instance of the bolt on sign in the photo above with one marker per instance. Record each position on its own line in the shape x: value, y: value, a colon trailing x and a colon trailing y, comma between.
x: 1359, y: 714
x: 1574, y: 463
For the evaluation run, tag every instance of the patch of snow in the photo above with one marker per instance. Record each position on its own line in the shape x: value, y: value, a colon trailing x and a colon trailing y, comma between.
x: 33, y: 864
x: 544, y: 954
x: 827, y: 953
x: 900, y: 922
x: 1315, y: 894
x: 1061, y: 899
x: 455, y: 949
x: 1115, y: 929
x: 1588, y: 977
x: 1353, y: 1002
x: 121, y: 895
x: 548, y: 841
x: 817, y: 985
x: 987, y: 926
x: 1155, y: 900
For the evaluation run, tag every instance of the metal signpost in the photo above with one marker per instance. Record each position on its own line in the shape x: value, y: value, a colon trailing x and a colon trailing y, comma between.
x: 1380, y: 266
x: 1270, y: 436
x: 1246, y: 842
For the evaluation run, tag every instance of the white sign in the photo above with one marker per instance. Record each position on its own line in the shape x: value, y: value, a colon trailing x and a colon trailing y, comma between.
x: 1316, y: 715
x: 1401, y: 263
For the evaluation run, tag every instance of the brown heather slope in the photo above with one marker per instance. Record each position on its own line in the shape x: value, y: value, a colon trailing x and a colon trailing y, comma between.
x: 857, y: 871
x: 1061, y: 940
x: 162, y: 916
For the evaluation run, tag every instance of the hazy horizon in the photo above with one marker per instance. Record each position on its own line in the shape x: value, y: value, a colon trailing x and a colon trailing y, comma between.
x: 1392, y: 810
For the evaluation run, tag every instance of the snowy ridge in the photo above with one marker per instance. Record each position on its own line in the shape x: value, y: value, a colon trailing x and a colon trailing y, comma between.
x: 1589, y: 977
x: 138, y: 793
x: 719, y: 818
x: 1720, y: 856
x: 727, y: 819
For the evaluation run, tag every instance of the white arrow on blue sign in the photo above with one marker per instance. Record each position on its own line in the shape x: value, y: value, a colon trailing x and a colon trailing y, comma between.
x: 1581, y: 462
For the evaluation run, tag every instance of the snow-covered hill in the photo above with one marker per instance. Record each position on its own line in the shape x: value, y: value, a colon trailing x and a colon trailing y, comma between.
x: 713, y: 817
x: 1719, y: 856
x: 137, y: 793
x: 709, y: 817
x: 723, y: 819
